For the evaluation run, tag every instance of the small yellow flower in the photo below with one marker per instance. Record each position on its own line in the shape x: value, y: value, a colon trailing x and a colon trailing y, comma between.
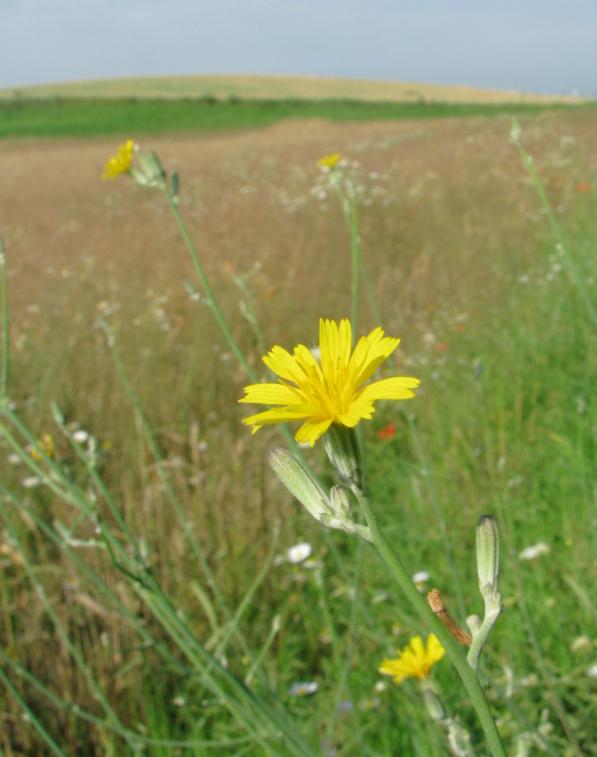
x: 122, y: 162
x: 415, y: 661
x: 329, y: 161
x: 328, y: 390
x: 44, y: 447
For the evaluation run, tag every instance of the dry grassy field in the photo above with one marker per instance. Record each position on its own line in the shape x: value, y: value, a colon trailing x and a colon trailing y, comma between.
x: 280, y: 88
x: 463, y: 266
x: 253, y: 197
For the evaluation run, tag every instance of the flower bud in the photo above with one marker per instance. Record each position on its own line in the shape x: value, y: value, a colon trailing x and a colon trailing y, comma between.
x: 339, y: 503
x: 150, y: 172
x: 488, y: 555
x: 342, y: 448
x: 433, y: 703
x: 332, y: 511
x: 299, y: 482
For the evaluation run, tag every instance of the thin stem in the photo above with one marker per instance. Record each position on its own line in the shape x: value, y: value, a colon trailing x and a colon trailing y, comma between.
x: 213, y: 302
x: 554, y: 226
x: 5, y: 369
x: 350, y: 211
x: 466, y: 673
x: 439, y: 511
x: 493, y: 609
x: 357, y: 258
x: 207, y: 290
x: 30, y: 715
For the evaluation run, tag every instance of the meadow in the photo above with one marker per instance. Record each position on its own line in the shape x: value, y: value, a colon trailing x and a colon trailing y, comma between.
x: 112, y: 340
x: 71, y: 117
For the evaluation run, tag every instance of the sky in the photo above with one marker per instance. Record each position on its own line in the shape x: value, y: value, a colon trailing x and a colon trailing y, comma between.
x: 533, y: 46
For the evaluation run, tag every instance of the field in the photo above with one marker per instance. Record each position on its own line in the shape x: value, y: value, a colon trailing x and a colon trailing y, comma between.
x: 106, y: 325
x: 248, y: 87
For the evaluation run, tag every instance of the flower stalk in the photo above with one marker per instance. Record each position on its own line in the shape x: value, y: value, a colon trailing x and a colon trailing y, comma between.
x: 417, y: 601
x: 488, y: 570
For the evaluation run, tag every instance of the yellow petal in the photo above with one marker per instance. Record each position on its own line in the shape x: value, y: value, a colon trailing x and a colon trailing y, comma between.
x: 311, y: 430
x: 435, y: 651
x: 369, y: 354
x: 396, y: 388
x: 359, y: 409
x: 271, y: 394
x: 276, y: 415
x: 304, y: 357
x: 284, y: 365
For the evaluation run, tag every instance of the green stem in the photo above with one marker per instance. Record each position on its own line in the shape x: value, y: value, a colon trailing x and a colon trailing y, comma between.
x: 5, y: 325
x: 53, y: 747
x: 207, y: 290
x: 357, y: 258
x: 554, y: 226
x: 213, y: 302
x: 466, y: 673
x: 493, y: 610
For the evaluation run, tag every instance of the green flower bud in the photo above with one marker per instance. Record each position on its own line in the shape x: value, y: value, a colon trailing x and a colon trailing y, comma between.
x: 339, y: 503
x: 433, y: 703
x: 342, y: 448
x: 299, y: 482
x: 151, y: 173
x: 332, y: 511
x: 488, y: 555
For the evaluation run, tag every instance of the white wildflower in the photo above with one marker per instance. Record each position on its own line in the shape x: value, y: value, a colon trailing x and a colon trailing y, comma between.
x: 303, y: 688
x: 581, y: 644
x: 31, y: 482
x: 592, y: 671
x: 420, y: 578
x: 532, y: 553
x: 299, y: 553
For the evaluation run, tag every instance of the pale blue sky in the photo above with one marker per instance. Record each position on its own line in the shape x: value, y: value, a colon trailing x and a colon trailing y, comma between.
x: 540, y: 46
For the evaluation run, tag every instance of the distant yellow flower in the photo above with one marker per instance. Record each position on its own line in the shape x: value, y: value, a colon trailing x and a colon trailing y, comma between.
x: 329, y: 161
x: 122, y: 162
x: 415, y: 661
x: 44, y: 447
x: 328, y: 390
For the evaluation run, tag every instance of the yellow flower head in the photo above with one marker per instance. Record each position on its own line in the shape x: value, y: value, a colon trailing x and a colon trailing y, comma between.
x: 328, y: 390
x: 329, y: 161
x: 415, y: 661
x: 45, y: 446
x: 122, y: 162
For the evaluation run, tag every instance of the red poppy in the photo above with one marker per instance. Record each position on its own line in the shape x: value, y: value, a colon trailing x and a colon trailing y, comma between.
x: 387, y: 432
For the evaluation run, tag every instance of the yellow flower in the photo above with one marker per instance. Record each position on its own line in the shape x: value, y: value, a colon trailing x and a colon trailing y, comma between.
x: 415, y: 661
x: 45, y: 446
x: 329, y: 161
x: 121, y: 162
x: 328, y: 390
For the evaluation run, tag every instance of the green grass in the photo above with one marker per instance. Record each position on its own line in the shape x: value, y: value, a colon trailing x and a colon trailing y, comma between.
x: 79, y: 118
x: 505, y: 425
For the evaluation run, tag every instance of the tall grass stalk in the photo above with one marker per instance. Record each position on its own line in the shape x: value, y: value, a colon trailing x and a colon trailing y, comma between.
x: 5, y: 364
x: 554, y: 226
x: 31, y: 717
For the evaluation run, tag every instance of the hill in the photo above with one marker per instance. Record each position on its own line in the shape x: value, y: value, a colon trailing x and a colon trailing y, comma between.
x: 251, y: 87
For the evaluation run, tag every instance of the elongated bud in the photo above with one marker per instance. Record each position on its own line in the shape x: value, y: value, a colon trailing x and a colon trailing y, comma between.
x: 488, y: 555
x: 332, y: 511
x: 342, y: 448
x: 299, y: 482
x: 150, y: 172
x: 433, y: 703
x: 339, y: 502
